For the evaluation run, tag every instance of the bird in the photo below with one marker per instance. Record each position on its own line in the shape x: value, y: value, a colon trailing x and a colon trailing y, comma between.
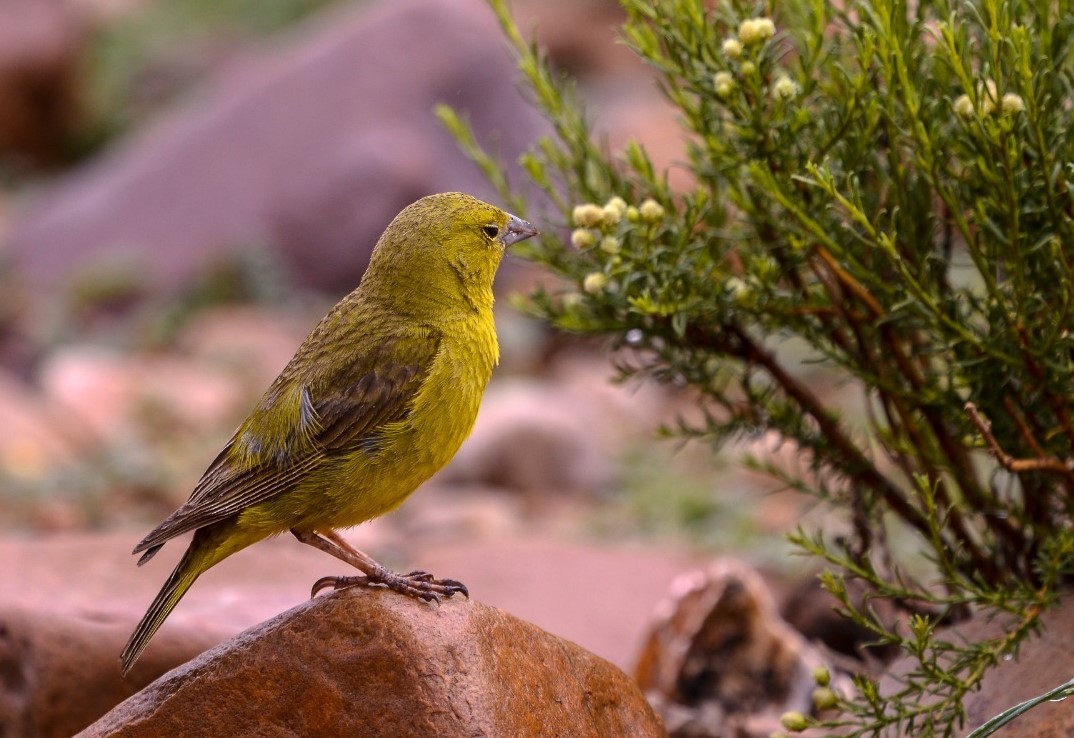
x: 379, y: 396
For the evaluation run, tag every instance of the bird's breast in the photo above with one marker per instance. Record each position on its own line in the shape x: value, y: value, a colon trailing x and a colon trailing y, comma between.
x: 443, y: 411
x: 370, y: 482
x: 446, y: 406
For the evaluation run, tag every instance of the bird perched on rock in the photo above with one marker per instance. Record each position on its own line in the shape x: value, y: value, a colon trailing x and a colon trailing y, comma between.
x: 379, y: 397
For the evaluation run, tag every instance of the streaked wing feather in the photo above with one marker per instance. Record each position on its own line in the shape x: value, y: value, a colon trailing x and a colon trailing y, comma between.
x: 372, y: 391
x: 240, y: 491
x: 351, y: 416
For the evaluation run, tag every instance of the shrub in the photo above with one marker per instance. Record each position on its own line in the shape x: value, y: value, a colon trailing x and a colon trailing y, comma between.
x: 885, y: 188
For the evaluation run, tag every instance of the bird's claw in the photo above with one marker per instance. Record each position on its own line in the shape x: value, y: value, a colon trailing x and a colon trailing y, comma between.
x: 418, y: 584
x: 335, y: 583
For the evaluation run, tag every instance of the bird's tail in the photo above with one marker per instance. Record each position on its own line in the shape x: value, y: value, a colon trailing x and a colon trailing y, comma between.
x: 197, y: 559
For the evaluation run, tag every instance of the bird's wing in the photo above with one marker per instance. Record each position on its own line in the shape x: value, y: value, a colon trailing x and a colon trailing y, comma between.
x: 298, y: 426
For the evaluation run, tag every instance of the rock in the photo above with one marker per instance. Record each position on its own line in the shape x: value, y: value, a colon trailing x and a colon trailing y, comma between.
x: 35, y: 436
x: 365, y: 662
x: 646, y: 117
x: 558, y: 435
x: 601, y: 597
x: 580, y: 36
x: 224, y: 359
x: 60, y: 673
x: 40, y: 42
x: 621, y: 92
x: 720, y: 661
x: 92, y: 577
x: 254, y: 343
x: 75, y: 589
x: 813, y: 612
x: 111, y: 394
x: 532, y: 437
x: 310, y: 147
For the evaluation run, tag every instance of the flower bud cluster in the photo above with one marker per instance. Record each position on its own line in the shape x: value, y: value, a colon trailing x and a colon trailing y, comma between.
x: 988, y: 102
x: 724, y: 84
x: 604, y: 220
x: 604, y: 227
x: 753, y: 33
x: 784, y: 88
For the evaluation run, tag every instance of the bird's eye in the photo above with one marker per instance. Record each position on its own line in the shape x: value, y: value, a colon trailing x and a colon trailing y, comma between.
x: 491, y: 230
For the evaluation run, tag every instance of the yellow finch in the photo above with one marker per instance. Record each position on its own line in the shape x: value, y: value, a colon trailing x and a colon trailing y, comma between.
x: 379, y: 397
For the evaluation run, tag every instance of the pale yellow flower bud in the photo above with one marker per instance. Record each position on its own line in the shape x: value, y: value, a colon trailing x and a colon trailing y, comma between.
x: 732, y: 48
x: 1012, y: 103
x: 632, y: 214
x: 582, y: 238
x: 793, y: 721
x: 651, y: 211
x: 610, y: 245
x: 723, y: 83
x: 618, y: 203
x: 572, y: 300
x: 738, y: 289
x: 747, y: 68
x: 784, y: 88
x: 756, y: 30
x: 989, y: 97
x: 963, y: 106
x: 587, y: 215
x: 824, y: 698
x: 611, y: 215
x: 594, y: 282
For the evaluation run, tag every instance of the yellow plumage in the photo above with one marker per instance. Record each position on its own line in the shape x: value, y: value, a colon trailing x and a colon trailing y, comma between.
x: 379, y: 397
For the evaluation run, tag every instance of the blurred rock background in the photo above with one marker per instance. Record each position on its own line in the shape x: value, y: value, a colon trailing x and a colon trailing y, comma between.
x: 184, y: 189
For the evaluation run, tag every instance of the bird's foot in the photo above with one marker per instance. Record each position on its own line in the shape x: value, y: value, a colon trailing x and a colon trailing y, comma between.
x: 419, y: 584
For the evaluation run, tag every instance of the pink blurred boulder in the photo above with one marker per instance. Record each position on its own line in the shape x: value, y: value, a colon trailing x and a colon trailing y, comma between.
x: 107, y: 393
x: 36, y: 436
x: 368, y: 662
x: 564, y: 434
x: 309, y: 147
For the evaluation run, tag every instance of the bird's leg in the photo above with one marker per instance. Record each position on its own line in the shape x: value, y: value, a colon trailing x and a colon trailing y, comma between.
x: 418, y: 584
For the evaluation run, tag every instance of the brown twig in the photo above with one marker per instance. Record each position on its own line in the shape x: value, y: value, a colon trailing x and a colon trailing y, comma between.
x: 857, y: 467
x: 1023, y: 426
x: 850, y: 283
x: 1049, y: 464
x: 932, y: 437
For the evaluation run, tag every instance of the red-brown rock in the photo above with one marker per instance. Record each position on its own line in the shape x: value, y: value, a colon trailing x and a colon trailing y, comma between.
x: 372, y: 663
x: 72, y: 600
x: 58, y: 672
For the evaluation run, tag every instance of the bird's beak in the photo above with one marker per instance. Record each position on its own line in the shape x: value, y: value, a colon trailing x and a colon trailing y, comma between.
x: 517, y: 230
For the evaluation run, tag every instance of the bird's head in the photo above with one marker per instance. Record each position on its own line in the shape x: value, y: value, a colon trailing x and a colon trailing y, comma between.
x: 443, y: 249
